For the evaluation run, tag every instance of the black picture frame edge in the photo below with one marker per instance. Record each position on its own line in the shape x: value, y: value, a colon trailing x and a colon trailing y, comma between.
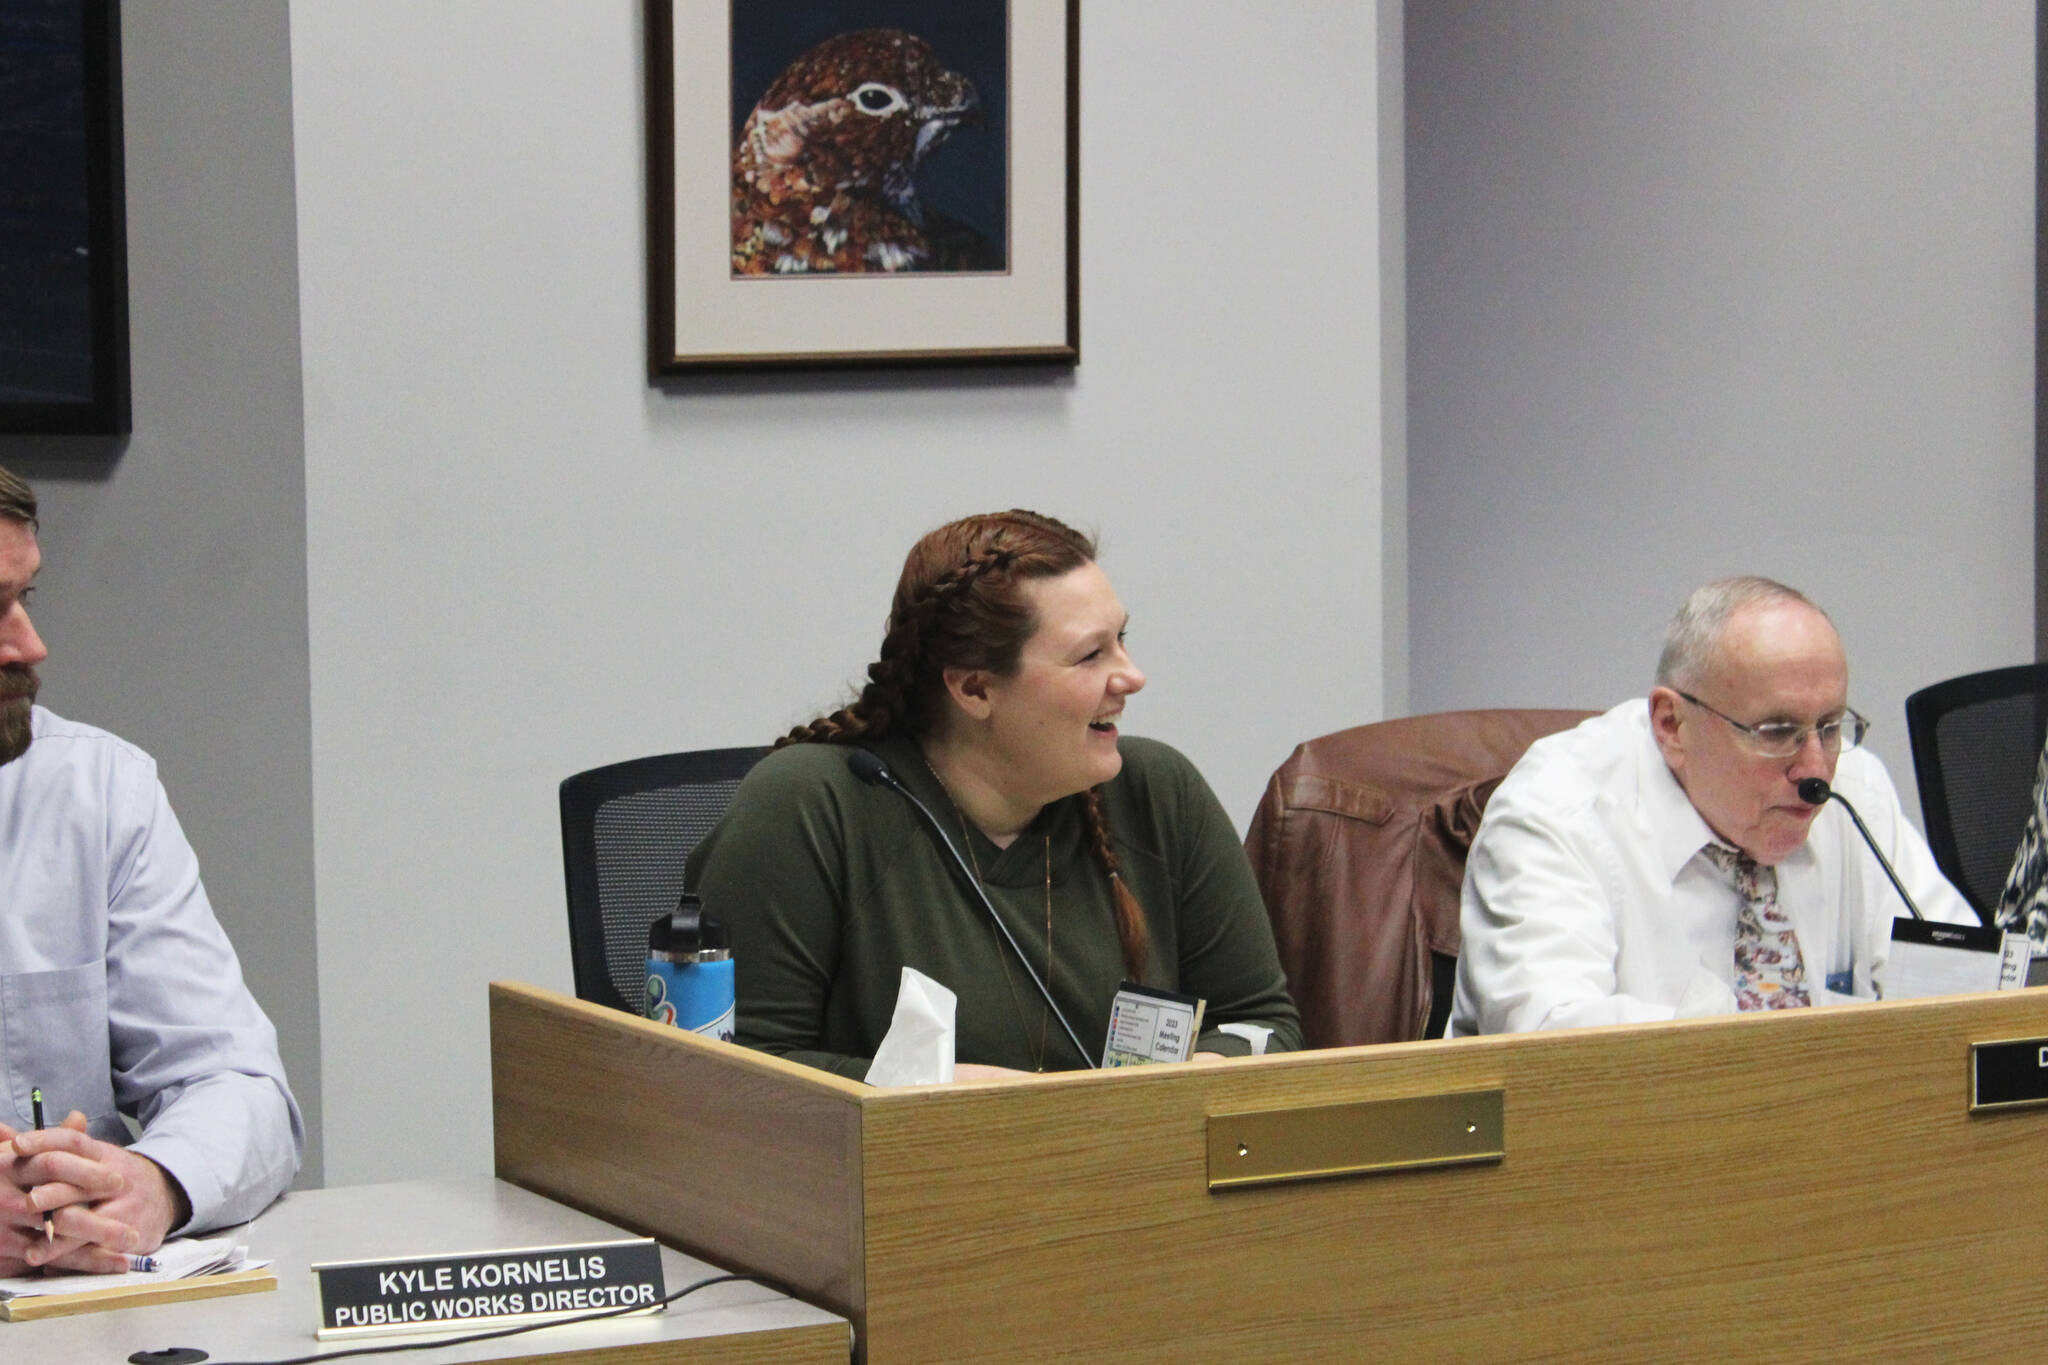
x: 108, y: 411
x: 661, y: 186
x: 1073, y: 351
x: 2040, y: 332
x: 663, y: 362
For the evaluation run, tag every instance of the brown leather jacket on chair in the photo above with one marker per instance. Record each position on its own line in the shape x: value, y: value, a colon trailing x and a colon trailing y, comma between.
x: 1359, y: 846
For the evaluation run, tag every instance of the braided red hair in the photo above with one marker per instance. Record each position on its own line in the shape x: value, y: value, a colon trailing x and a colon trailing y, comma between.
x: 959, y: 604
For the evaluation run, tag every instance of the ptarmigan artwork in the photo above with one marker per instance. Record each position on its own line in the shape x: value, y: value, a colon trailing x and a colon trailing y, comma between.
x: 825, y: 173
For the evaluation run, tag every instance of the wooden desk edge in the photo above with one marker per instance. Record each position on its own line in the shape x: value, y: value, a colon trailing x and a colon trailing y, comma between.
x: 256, y: 1281
x: 744, y: 1059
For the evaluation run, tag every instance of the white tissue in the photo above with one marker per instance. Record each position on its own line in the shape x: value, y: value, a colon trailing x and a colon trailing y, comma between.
x: 1255, y: 1034
x: 919, y: 1047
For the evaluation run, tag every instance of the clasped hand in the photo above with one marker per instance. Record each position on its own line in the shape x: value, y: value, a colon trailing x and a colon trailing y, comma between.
x: 106, y: 1202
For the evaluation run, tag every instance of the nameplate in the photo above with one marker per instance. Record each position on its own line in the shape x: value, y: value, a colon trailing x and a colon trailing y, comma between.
x: 2012, y: 1074
x: 484, y: 1289
x: 1371, y: 1137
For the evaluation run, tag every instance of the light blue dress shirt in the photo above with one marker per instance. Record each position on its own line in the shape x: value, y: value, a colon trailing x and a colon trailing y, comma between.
x: 119, y: 993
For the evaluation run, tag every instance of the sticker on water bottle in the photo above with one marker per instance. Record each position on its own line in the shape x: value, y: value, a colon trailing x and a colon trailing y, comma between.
x: 720, y: 1028
x: 658, y: 1006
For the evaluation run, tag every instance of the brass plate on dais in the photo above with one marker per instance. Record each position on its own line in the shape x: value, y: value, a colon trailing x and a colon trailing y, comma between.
x: 1371, y: 1137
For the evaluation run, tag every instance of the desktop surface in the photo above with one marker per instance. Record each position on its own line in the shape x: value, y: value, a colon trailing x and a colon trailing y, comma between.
x: 738, y: 1321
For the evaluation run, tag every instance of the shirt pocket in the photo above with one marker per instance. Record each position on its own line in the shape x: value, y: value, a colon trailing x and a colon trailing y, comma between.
x: 53, y: 1034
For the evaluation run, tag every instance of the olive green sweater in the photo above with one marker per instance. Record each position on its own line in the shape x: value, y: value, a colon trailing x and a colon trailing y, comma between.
x: 832, y: 886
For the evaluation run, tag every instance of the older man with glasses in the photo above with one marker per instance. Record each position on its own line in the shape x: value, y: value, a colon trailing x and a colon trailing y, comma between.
x: 1659, y: 862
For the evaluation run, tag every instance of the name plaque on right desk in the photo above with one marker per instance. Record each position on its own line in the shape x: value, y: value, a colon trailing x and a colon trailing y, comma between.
x: 2010, y: 1074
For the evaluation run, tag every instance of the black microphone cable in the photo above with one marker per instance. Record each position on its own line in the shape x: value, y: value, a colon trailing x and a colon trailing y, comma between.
x: 872, y: 770
x: 1815, y: 791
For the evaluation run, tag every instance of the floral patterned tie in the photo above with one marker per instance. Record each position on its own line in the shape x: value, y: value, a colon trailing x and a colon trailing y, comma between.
x: 1770, y: 974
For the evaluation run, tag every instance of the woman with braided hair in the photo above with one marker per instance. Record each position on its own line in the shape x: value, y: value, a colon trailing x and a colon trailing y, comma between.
x: 995, y: 700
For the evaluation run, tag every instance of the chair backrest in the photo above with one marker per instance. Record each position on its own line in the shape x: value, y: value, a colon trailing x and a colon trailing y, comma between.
x: 1976, y: 742
x: 1359, y: 847
x: 627, y: 831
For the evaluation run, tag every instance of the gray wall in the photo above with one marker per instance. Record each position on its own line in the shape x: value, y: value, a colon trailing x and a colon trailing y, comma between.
x: 524, y: 561
x: 1393, y: 123
x: 1707, y: 289
x: 173, y: 595
x: 1692, y: 289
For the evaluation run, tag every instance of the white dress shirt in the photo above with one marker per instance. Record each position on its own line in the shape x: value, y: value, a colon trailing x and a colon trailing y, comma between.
x: 1587, y: 898
x: 119, y: 994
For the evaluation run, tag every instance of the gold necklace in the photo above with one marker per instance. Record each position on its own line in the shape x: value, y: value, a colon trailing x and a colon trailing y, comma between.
x: 1016, y: 1000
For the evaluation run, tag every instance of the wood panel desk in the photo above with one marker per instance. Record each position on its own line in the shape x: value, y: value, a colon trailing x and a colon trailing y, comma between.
x: 1663, y: 1191
x: 726, y: 1324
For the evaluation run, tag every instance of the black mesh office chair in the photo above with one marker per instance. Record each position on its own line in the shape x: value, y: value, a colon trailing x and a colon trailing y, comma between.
x: 627, y: 830
x: 1976, y: 742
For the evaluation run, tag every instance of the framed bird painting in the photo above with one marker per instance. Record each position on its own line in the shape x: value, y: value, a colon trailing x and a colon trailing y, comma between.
x: 862, y: 182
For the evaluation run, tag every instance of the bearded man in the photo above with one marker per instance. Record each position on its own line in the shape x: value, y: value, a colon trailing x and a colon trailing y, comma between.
x: 121, y: 1000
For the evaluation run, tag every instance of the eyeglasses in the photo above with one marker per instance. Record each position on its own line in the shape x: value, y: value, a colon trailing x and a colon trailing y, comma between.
x: 1785, y: 738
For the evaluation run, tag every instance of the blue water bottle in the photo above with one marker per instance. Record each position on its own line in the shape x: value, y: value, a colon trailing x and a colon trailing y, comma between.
x: 689, y: 971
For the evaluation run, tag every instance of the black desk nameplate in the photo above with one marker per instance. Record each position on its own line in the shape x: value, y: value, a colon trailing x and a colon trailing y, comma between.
x: 486, y: 1288
x: 2011, y: 1074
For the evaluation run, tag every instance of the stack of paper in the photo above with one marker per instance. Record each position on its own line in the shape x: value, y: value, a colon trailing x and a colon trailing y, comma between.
x: 188, y: 1268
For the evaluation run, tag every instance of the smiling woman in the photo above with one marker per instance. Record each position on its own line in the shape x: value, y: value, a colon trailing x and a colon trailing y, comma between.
x: 996, y: 702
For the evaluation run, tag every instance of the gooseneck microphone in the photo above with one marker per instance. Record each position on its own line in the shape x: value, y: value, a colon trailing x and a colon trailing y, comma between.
x: 872, y: 770
x: 1815, y: 791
